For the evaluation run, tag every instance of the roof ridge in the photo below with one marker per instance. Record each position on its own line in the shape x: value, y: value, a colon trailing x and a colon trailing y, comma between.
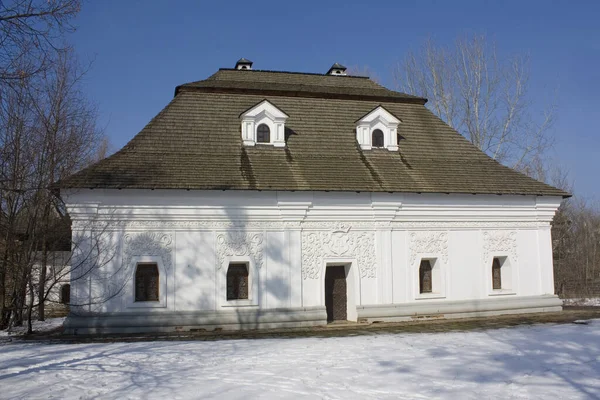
x: 293, y: 72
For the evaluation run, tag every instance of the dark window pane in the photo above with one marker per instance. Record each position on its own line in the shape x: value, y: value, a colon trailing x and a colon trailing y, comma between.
x: 65, y: 294
x: 237, y: 282
x: 377, y: 138
x: 146, y: 282
x: 263, y: 134
x: 496, y: 274
x: 425, y: 277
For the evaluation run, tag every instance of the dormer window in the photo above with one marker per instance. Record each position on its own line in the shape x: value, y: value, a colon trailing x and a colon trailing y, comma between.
x: 263, y: 134
x: 265, y: 124
x: 379, y: 129
x: 377, y: 139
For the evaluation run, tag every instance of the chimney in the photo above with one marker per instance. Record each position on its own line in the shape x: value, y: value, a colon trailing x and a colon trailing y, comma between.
x: 243, y: 64
x: 336, y: 69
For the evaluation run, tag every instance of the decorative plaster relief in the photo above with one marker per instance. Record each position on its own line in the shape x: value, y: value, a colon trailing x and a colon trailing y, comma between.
x: 238, y: 243
x: 339, y: 242
x: 499, y: 242
x: 428, y: 243
x: 148, y: 244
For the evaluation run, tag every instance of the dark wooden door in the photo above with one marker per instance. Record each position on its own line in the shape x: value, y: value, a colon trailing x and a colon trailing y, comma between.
x: 335, y: 293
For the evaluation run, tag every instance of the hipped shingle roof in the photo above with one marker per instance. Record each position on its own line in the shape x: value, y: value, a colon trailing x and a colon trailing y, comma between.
x: 195, y: 143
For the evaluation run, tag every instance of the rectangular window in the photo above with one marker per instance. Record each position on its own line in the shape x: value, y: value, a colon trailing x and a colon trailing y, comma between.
x: 425, y: 277
x: 237, y: 282
x: 146, y: 282
x: 496, y: 274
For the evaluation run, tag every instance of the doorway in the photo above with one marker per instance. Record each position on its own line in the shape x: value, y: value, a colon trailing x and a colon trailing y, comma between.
x: 336, y: 295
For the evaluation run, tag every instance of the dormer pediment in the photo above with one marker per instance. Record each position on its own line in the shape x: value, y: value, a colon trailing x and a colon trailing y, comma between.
x: 380, y: 114
x: 264, y: 123
x: 379, y: 129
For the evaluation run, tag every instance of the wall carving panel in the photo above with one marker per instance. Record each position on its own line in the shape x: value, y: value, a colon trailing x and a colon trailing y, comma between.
x: 428, y: 243
x: 499, y: 242
x: 148, y: 244
x: 239, y: 243
x: 341, y: 241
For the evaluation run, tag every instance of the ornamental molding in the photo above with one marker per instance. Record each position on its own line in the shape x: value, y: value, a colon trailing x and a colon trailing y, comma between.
x: 468, y: 224
x: 239, y: 243
x: 495, y: 242
x: 153, y: 244
x: 341, y: 241
x: 428, y: 243
x: 313, y: 225
x: 183, y: 224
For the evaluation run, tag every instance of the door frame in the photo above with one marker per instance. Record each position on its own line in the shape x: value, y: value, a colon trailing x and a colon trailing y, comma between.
x: 352, y: 284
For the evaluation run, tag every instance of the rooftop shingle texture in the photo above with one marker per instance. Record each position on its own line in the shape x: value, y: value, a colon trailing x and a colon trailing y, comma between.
x: 314, y: 85
x: 195, y: 143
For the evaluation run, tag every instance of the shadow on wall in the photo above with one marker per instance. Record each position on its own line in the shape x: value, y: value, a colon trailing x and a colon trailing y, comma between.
x: 269, y: 284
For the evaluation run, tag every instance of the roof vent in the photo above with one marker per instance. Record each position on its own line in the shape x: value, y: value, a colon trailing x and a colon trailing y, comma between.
x: 337, y: 69
x: 243, y: 64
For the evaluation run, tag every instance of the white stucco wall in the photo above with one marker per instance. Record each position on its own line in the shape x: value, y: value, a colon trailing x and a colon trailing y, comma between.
x: 288, y: 238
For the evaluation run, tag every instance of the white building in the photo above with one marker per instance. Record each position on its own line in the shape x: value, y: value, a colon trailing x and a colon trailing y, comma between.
x: 265, y: 199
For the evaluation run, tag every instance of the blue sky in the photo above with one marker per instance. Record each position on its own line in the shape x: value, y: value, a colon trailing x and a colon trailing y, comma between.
x: 141, y: 50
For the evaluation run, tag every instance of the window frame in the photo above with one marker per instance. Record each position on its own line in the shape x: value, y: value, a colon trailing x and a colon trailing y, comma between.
x: 508, y: 271
x: 165, y: 282
x: 268, y: 133
x: 238, y: 284
x: 377, y: 131
x: 438, y: 276
x: 423, y: 290
x: 253, y: 273
x: 135, y: 289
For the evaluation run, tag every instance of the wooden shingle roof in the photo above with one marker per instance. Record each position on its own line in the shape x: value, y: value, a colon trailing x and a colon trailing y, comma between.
x: 195, y: 143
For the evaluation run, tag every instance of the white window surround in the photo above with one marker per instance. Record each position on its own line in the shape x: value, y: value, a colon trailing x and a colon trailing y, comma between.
x: 438, y: 277
x: 264, y: 113
x: 162, y: 284
x: 252, y: 300
x: 382, y: 119
x: 508, y: 277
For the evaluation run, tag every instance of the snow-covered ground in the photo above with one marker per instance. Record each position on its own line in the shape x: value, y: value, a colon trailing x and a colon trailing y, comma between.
x: 593, y: 302
x: 527, y: 362
x: 48, y: 325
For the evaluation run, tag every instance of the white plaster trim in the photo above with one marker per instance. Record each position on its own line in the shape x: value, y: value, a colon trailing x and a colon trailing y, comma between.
x: 148, y: 244
x: 422, y: 243
x: 253, y: 295
x: 162, y: 283
x: 501, y: 244
x: 191, y: 224
x: 264, y: 113
x: 239, y: 243
x: 439, y: 268
x: 339, y: 242
x: 352, y: 283
x: 381, y: 119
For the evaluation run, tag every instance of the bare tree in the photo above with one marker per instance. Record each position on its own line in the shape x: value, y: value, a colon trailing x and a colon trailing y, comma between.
x: 481, y: 96
x: 576, y: 248
x: 31, y: 32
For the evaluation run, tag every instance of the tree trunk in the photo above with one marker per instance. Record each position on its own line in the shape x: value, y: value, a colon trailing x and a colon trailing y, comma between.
x: 30, y: 308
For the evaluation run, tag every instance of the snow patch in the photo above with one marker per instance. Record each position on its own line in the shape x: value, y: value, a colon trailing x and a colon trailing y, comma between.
x: 50, y: 324
x: 537, y: 361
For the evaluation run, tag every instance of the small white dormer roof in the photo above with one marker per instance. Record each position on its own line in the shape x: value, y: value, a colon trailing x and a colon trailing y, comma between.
x: 380, y: 114
x: 265, y: 108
